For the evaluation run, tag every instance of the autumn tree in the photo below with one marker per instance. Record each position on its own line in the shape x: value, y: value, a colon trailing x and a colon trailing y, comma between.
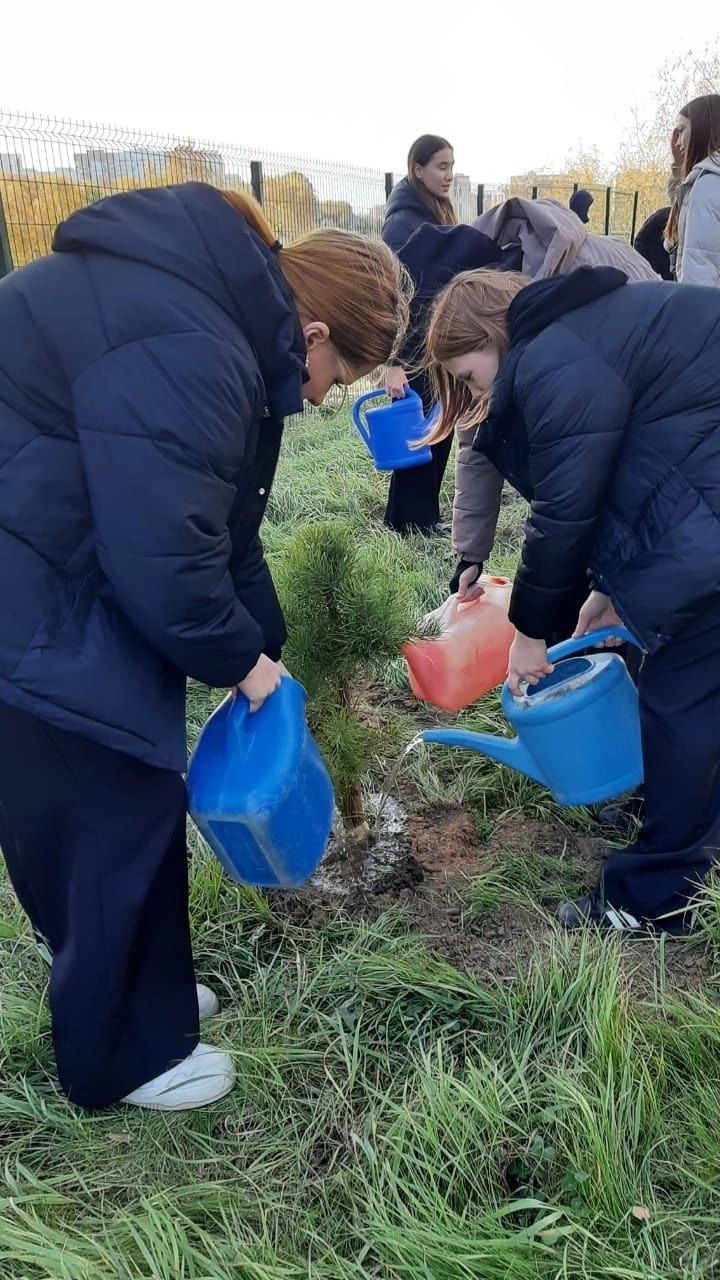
x: 337, y: 213
x: 34, y: 204
x: 290, y: 204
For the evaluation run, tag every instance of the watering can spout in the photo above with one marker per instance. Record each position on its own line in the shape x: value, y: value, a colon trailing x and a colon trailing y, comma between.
x: 508, y: 751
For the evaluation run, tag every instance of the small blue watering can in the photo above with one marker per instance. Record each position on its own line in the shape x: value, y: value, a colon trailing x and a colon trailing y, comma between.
x: 578, y: 729
x: 391, y: 430
x: 259, y: 792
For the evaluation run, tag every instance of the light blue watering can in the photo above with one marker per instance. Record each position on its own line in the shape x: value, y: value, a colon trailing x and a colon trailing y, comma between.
x: 578, y: 729
x: 259, y: 792
x: 391, y: 430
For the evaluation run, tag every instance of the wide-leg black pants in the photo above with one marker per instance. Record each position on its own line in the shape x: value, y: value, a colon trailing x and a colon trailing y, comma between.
x: 94, y: 843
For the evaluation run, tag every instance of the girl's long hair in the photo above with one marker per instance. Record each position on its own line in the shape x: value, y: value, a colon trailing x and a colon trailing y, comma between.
x: 704, y: 116
x: 421, y: 152
x: 354, y: 285
x: 470, y: 314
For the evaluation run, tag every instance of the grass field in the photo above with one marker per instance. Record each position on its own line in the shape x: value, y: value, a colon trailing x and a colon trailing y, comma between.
x: 549, y: 1108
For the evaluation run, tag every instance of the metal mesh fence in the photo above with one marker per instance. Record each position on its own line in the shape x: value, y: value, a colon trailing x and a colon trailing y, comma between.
x: 49, y: 168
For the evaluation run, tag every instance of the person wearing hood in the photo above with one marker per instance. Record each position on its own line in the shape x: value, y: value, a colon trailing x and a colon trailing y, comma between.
x: 146, y: 367
x: 600, y: 404
x: 650, y: 243
x: 581, y: 203
x: 693, y: 233
x: 541, y: 239
x: 420, y: 200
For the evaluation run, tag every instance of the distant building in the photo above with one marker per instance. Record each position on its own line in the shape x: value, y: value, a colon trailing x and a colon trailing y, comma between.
x: 464, y: 198
x: 102, y: 168
x: 11, y: 164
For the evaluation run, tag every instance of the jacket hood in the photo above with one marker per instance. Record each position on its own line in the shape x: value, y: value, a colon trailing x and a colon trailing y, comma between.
x: 549, y: 235
x: 404, y: 198
x: 545, y: 301
x: 580, y: 203
x: 193, y: 232
x: 533, y: 309
x: 711, y: 164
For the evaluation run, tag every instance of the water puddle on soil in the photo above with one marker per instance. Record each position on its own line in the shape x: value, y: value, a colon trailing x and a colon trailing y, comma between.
x: 346, y: 868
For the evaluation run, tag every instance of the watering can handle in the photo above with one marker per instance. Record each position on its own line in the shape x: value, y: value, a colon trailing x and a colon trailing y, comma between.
x: 591, y: 638
x: 240, y: 706
x: 358, y: 420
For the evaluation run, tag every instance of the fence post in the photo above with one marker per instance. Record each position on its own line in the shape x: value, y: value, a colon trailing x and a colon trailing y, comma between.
x: 389, y: 184
x: 576, y: 188
x: 534, y: 193
x: 6, y: 263
x: 481, y: 198
x: 256, y: 179
x: 633, y: 227
x: 608, y: 195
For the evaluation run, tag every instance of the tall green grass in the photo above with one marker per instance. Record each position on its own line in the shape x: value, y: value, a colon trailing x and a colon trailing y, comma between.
x: 394, y: 1119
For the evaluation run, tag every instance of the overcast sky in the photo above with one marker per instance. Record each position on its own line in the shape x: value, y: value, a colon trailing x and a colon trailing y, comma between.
x: 514, y: 86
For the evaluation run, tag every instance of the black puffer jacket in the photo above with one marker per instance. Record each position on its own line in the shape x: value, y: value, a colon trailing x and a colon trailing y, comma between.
x: 606, y: 416
x: 404, y: 213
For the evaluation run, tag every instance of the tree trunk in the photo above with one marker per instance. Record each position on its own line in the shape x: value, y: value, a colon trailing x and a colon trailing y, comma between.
x: 352, y: 806
x: 351, y: 803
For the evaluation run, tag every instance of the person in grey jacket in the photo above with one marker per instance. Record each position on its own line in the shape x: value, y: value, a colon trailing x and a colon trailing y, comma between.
x: 550, y: 241
x: 693, y: 235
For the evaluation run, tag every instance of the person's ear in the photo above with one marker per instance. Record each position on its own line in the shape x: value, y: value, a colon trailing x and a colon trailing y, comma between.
x: 315, y: 334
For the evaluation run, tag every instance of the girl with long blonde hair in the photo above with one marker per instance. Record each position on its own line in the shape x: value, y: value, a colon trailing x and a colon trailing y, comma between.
x: 600, y: 403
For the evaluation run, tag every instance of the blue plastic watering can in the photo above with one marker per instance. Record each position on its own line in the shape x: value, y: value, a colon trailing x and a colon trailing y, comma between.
x: 259, y: 792
x: 578, y: 729
x: 391, y: 430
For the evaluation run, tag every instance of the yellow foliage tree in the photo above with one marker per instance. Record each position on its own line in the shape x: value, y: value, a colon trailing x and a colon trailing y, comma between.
x: 34, y: 204
x: 290, y: 205
x: 337, y: 213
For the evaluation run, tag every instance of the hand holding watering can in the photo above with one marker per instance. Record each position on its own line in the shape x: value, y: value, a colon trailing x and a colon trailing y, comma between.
x: 392, y: 432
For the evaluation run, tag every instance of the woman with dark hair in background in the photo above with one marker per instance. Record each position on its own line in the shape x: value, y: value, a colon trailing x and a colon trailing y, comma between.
x: 693, y: 233
x: 422, y: 197
x: 424, y: 194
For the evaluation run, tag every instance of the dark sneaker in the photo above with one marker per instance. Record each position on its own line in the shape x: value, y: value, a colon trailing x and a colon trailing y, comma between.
x: 592, y: 910
x: 618, y: 817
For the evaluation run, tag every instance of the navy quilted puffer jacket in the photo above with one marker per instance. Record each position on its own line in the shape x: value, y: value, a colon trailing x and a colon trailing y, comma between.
x: 606, y: 416
x: 145, y: 368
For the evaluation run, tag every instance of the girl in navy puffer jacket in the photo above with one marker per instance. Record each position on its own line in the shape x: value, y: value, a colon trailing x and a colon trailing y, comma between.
x: 146, y: 367
x: 600, y: 403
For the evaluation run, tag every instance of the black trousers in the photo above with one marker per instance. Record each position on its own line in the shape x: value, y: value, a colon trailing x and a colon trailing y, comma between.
x: 94, y: 843
x: 414, y: 496
x: 680, y: 718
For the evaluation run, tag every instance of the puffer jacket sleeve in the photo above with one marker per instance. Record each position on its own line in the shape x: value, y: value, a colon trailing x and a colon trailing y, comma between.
x: 161, y: 425
x: 398, y: 227
x: 575, y: 408
x: 476, y: 507
x: 699, y: 257
x: 255, y: 589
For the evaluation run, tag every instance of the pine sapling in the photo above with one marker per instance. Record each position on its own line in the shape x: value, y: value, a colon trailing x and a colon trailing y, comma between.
x: 348, y: 612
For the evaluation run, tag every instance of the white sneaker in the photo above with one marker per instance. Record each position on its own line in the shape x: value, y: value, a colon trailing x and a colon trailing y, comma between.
x: 208, y: 1003
x: 205, y: 1077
